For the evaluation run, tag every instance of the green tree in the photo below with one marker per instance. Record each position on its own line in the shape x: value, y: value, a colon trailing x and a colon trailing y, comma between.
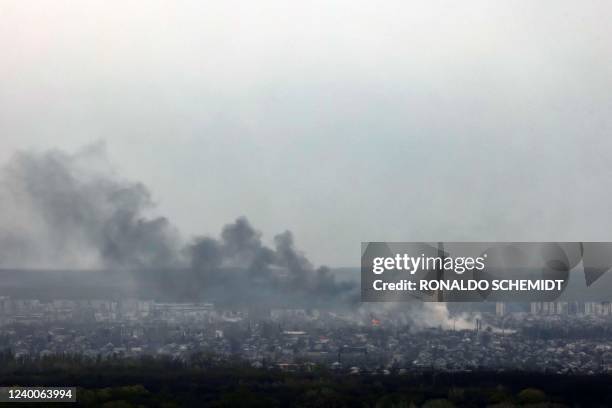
x: 438, y: 403
x: 531, y: 396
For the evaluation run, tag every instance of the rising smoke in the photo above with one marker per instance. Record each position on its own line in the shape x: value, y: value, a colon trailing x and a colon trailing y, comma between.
x: 242, y: 267
x: 63, y: 210
x: 72, y: 211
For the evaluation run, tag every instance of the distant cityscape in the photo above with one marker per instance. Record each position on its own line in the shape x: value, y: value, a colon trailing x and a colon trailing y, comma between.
x: 556, y: 337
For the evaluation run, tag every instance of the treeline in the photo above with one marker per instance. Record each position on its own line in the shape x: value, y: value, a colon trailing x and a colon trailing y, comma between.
x: 204, y: 382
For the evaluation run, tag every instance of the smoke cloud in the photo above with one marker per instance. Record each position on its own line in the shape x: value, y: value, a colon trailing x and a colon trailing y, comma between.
x: 240, y: 264
x: 62, y: 210
x: 72, y: 211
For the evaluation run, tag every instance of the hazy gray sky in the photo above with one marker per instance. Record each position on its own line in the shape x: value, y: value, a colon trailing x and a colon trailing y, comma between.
x: 344, y: 121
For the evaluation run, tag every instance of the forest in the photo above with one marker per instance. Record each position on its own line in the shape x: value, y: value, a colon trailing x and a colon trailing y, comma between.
x: 206, y: 382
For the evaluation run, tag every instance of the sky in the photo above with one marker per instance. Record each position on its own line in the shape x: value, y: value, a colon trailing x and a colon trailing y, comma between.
x: 342, y: 121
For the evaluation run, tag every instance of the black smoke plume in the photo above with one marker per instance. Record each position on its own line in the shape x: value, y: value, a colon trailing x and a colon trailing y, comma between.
x: 72, y: 211
x: 63, y: 210
x: 239, y: 264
